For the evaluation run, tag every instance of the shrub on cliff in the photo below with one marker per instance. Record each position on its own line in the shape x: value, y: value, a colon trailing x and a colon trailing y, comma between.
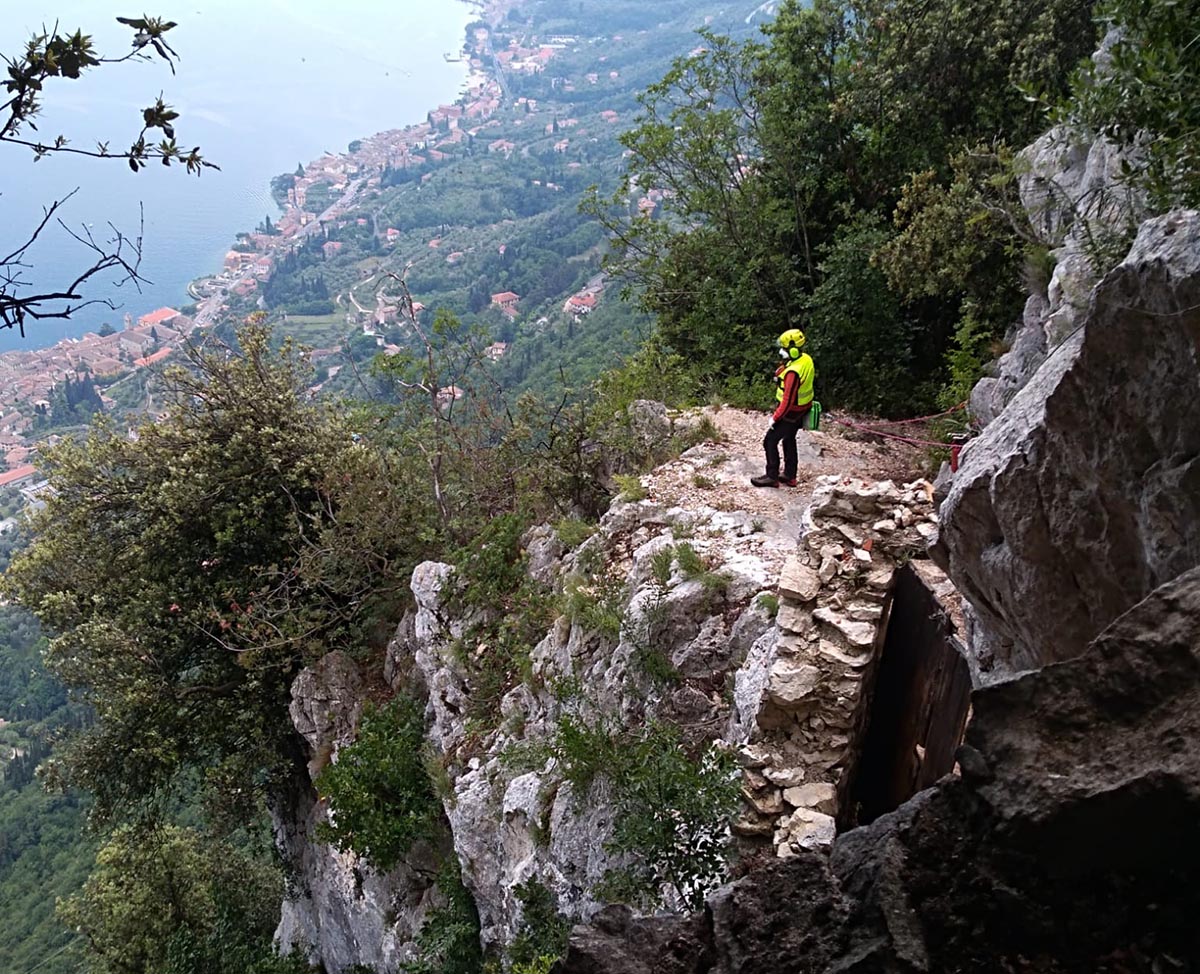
x: 380, y: 797
x: 189, y: 570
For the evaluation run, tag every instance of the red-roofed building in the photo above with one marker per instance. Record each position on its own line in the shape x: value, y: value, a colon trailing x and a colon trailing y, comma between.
x: 17, y: 475
x: 158, y: 356
x: 506, y: 300
x: 580, y: 304
x: 159, y: 317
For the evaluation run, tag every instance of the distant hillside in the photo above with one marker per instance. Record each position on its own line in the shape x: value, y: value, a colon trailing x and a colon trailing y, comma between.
x: 482, y: 199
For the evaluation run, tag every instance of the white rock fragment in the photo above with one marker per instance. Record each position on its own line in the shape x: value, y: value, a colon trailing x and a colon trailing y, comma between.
x: 818, y: 795
x: 798, y: 581
x: 784, y: 777
x: 791, y: 683
x: 830, y: 651
x: 861, y: 634
x: 793, y: 619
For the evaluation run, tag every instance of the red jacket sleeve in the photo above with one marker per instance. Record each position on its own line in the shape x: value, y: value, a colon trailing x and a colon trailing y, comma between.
x: 790, y: 381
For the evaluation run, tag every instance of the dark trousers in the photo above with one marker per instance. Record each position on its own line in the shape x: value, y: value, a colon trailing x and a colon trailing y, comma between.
x: 783, y: 431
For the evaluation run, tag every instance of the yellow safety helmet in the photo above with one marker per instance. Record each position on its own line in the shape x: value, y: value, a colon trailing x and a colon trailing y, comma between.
x: 791, y: 341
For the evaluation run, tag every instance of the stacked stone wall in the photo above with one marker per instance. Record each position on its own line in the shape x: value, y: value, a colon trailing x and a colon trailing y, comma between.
x: 803, y: 706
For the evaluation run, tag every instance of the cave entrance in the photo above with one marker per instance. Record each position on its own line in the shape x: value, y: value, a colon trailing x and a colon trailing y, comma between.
x: 919, y: 706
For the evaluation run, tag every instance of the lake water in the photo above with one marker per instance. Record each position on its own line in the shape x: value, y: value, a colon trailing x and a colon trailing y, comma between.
x: 260, y: 87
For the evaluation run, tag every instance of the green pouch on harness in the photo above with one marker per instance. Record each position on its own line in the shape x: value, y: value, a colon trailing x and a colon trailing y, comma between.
x: 812, y: 419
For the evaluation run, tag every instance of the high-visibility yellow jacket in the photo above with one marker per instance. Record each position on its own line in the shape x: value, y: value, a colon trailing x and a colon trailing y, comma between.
x: 794, y: 387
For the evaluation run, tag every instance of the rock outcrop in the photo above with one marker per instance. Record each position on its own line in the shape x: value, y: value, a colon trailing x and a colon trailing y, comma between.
x: 1084, y: 495
x: 1067, y: 841
x: 1079, y: 205
x: 512, y: 823
x: 716, y: 621
x: 1067, y: 845
x: 722, y: 624
x: 340, y: 911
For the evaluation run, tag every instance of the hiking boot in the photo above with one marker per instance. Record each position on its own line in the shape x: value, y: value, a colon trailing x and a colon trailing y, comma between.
x: 765, y: 480
x: 787, y: 481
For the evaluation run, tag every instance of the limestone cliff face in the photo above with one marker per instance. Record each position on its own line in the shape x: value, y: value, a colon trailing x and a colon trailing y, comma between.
x: 774, y: 646
x: 339, y: 911
x: 1066, y: 837
x: 1083, y: 496
x: 511, y: 825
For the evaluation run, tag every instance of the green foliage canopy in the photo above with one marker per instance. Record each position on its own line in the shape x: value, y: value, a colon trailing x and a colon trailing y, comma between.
x: 170, y: 901
x: 780, y: 163
x: 168, y: 564
x: 1142, y: 95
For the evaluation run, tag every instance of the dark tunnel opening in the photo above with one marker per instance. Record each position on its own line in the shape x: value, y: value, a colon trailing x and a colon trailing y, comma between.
x: 919, y: 707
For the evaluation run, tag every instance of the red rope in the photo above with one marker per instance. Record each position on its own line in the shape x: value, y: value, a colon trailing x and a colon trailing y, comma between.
x: 890, y: 436
x: 920, y: 419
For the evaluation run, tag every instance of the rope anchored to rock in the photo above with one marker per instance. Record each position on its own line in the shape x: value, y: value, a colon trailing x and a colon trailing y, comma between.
x: 873, y: 430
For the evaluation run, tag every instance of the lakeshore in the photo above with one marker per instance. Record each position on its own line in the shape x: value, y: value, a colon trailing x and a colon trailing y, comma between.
x: 118, y: 359
x: 259, y: 88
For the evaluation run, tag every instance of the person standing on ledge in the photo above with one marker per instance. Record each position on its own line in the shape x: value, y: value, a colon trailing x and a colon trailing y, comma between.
x: 794, y: 393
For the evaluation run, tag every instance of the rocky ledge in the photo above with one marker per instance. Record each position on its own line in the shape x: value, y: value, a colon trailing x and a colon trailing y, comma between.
x: 1067, y: 845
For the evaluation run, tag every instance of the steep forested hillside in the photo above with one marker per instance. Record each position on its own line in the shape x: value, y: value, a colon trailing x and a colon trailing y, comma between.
x: 43, y: 852
x: 852, y: 171
x: 499, y: 210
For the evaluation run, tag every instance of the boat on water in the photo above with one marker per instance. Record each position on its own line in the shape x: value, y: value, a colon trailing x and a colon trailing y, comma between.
x: 453, y: 58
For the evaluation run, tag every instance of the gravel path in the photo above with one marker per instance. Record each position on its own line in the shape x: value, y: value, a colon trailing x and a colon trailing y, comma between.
x: 717, y: 474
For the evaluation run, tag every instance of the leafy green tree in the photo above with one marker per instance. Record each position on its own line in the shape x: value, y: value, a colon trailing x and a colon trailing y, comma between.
x: 1142, y: 95
x: 169, y: 567
x: 169, y: 901
x: 966, y: 241
x: 772, y: 157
